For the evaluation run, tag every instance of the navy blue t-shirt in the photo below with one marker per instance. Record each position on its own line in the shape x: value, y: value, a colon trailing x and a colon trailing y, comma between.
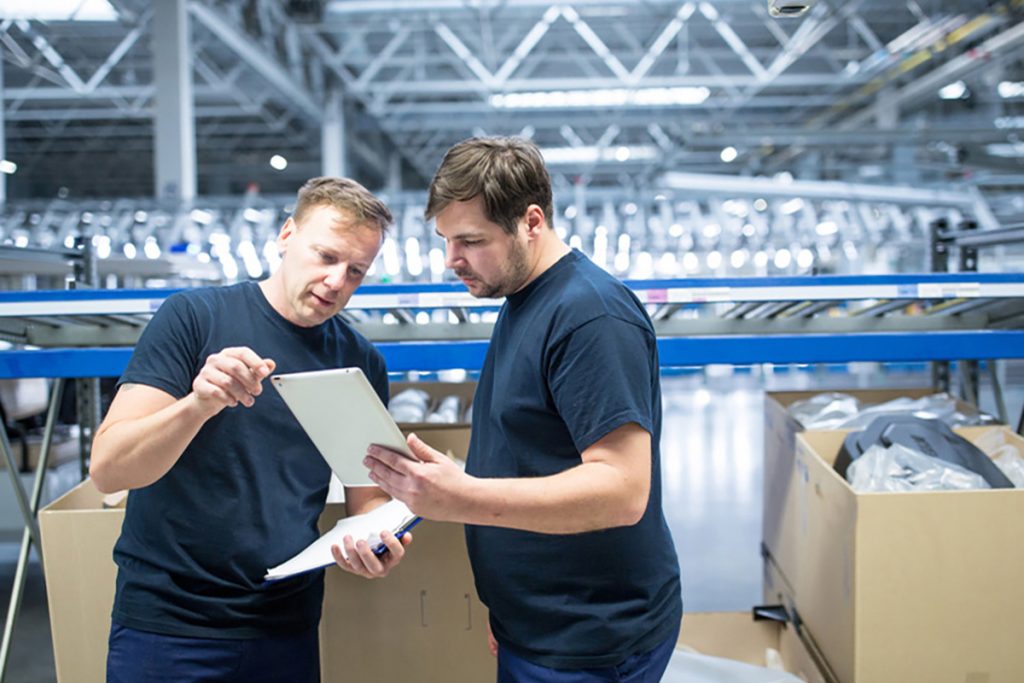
x: 572, y: 358
x: 248, y: 490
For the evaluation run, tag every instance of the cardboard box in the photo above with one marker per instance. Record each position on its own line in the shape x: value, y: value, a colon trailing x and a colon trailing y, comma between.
x: 426, y: 615
x: 422, y: 623
x: 78, y: 537
x: 780, y: 432
x: 735, y: 635
x: 896, y: 587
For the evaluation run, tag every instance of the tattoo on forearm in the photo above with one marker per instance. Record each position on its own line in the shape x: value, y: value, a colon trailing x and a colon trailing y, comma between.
x: 128, y: 387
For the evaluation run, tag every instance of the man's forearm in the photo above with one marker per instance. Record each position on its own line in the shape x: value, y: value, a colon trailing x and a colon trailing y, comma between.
x: 588, y: 497
x: 134, y: 453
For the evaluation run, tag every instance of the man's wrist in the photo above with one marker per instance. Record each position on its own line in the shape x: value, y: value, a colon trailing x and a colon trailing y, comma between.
x: 200, y: 408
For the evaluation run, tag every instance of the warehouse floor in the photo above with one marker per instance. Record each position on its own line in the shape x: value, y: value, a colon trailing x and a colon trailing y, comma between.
x: 712, y: 468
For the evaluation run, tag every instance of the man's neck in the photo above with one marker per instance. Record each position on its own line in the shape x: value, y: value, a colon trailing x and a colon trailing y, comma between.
x: 550, y: 251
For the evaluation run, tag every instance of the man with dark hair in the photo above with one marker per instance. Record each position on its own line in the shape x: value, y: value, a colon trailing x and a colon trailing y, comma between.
x: 562, y: 489
x: 224, y: 482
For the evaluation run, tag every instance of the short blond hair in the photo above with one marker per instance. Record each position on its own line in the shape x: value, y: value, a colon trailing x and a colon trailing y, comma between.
x: 346, y: 195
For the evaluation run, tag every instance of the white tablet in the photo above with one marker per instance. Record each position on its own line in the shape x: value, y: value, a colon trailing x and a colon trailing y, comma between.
x: 342, y: 415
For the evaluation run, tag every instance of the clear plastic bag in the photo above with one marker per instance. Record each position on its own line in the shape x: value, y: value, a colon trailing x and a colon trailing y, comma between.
x: 690, y: 667
x: 825, y: 411
x: 900, y: 469
x: 1004, y: 454
x: 448, y: 411
x: 842, y: 411
x: 409, y: 405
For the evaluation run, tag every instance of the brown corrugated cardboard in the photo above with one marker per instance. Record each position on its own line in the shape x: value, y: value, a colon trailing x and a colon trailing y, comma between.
x: 897, y: 587
x: 425, y: 617
x: 422, y: 623
x: 780, y: 519
x: 735, y: 635
x: 78, y: 538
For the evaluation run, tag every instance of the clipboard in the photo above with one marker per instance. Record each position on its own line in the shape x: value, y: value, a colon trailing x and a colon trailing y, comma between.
x: 393, y: 515
x: 342, y: 415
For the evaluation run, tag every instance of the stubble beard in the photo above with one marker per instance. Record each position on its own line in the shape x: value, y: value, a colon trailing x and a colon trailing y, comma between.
x: 513, y: 278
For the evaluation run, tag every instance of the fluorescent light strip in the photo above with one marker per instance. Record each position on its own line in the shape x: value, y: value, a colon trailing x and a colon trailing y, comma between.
x: 593, y: 154
x: 602, y: 97
x: 58, y: 10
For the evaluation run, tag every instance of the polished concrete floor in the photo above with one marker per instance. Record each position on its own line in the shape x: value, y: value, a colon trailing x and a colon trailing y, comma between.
x: 712, y: 479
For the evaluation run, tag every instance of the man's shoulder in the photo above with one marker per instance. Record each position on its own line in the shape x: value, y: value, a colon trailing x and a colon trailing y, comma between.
x: 209, y: 294
x: 355, y: 339
x: 592, y: 294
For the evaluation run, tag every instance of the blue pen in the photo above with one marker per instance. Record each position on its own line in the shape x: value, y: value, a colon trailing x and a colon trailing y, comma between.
x: 380, y: 548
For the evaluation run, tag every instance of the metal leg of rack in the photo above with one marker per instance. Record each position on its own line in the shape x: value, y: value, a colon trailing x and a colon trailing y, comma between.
x: 31, y: 532
x: 940, y: 375
x: 968, y: 371
x: 997, y: 391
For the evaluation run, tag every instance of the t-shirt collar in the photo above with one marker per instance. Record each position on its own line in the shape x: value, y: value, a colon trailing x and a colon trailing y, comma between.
x: 517, y: 298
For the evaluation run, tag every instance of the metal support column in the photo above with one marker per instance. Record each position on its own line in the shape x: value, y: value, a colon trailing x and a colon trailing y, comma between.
x: 939, y: 263
x: 969, y: 369
x: 174, y: 125
x: 997, y: 391
x: 333, y: 139
x: 87, y: 389
x: 3, y: 137
x: 30, y: 535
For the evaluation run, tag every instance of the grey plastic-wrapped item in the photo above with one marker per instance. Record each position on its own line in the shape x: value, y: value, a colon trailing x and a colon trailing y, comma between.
x: 900, y: 469
x: 825, y: 411
x: 448, y: 411
x: 409, y: 405
x: 1004, y: 454
x: 23, y: 397
x: 690, y: 667
x: 842, y: 411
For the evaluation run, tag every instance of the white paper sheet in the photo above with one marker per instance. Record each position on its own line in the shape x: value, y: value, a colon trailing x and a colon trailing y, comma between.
x: 393, y: 515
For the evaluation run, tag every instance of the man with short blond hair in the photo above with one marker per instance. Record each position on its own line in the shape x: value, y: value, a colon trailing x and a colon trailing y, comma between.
x: 224, y: 483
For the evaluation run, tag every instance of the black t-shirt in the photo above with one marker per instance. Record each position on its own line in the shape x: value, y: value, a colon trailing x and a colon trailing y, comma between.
x: 572, y: 358
x: 248, y: 490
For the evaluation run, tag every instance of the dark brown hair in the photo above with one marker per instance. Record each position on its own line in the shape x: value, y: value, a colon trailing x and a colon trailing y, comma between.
x: 507, y: 172
x: 345, y: 195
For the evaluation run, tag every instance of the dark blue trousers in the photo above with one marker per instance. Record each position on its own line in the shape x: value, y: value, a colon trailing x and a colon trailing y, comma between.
x: 647, y: 667
x: 143, y: 657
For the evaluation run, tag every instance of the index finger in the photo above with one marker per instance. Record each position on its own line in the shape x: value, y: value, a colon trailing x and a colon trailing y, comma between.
x: 387, y: 456
x: 258, y: 366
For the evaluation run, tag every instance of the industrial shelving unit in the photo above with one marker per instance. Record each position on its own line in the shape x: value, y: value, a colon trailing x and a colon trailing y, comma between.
x: 89, y: 333
x: 743, y: 321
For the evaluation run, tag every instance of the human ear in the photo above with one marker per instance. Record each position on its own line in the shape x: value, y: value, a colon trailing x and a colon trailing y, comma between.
x: 535, y: 219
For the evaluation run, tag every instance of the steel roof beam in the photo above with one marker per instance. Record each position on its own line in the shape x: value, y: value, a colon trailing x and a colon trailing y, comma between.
x: 268, y: 67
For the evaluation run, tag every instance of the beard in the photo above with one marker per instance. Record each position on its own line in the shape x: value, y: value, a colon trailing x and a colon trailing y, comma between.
x: 511, y: 279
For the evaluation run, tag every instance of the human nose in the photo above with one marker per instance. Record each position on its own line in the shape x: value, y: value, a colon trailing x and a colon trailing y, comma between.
x: 451, y: 255
x: 335, y: 277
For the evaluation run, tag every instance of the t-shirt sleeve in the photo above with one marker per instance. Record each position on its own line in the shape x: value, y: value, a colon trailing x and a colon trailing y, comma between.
x: 167, y: 354
x: 601, y: 378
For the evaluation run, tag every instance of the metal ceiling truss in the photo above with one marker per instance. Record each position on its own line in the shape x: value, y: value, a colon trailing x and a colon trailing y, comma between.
x: 421, y: 75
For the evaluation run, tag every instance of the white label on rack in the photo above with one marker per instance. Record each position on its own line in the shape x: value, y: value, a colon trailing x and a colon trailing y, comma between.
x: 949, y: 290
x: 700, y: 295
x: 431, y: 300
